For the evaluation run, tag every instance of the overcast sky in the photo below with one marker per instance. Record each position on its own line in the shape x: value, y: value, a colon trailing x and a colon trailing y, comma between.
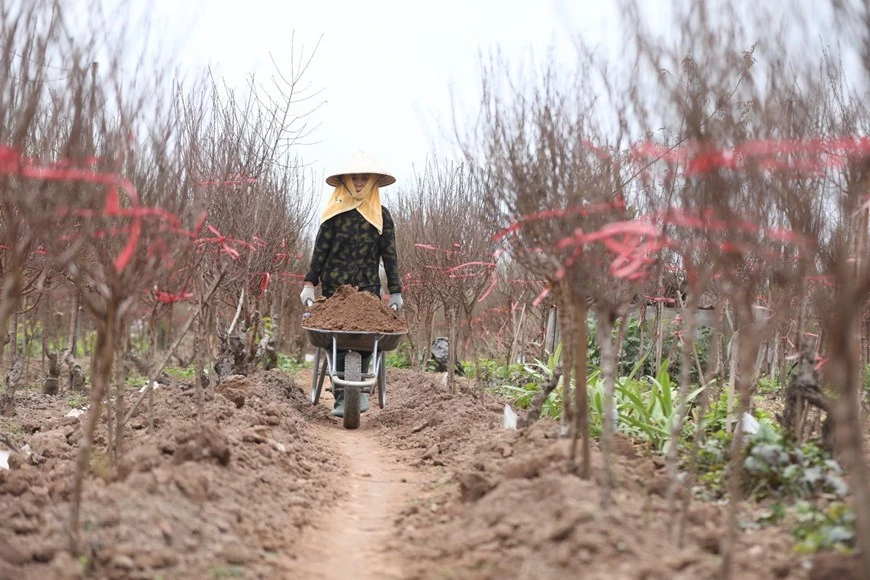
x: 389, y: 71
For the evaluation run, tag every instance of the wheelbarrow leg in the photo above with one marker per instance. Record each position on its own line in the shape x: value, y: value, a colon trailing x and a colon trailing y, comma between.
x: 318, y: 373
x: 382, y: 381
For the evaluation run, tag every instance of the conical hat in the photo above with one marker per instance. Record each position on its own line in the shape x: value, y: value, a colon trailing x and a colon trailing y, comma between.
x: 361, y: 163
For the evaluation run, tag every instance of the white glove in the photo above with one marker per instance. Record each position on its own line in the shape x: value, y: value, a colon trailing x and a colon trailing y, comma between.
x: 307, y: 294
x: 396, y: 301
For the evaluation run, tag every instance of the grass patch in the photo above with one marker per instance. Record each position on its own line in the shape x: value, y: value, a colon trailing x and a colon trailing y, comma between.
x: 77, y: 400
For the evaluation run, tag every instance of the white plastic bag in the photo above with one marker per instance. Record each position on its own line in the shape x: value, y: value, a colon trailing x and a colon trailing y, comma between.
x: 154, y: 386
x: 749, y: 424
x: 510, y: 418
x: 75, y: 413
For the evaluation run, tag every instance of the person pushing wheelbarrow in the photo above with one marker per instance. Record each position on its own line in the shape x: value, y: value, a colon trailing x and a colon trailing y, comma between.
x: 356, y: 234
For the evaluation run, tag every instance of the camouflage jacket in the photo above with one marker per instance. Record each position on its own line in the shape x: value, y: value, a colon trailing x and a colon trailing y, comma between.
x: 348, y: 250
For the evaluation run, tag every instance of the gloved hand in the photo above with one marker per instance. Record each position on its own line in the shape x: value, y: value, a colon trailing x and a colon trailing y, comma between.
x: 396, y: 301
x: 307, y: 294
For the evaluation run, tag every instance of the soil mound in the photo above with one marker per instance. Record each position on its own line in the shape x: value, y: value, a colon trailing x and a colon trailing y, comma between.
x: 351, y: 310
x: 504, y: 503
x: 423, y: 415
x: 224, y: 497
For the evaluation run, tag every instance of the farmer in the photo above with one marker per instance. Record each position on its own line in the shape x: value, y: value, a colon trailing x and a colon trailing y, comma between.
x: 356, y: 233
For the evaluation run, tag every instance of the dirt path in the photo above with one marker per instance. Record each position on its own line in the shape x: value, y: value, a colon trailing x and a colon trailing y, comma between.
x: 353, y: 539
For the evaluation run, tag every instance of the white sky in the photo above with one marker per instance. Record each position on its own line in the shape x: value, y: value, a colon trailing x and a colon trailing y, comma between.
x: 386, y: 68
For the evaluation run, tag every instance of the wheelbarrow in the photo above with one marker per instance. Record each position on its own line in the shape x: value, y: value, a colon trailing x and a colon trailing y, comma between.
x: 352, y: 381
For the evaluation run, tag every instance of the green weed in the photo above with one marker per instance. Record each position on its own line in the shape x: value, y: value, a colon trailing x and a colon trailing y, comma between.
x: 647, y: 408
x: 775, y: 466
x: 221, y: 571
x: 399, y: 358
x: 181, y: 373
x: 767, y: 385
x: 289, y: 364
x: 831, y: 528
x: 77, y: 400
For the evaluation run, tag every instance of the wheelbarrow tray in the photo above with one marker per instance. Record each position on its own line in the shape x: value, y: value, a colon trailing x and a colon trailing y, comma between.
x: 359, y: 341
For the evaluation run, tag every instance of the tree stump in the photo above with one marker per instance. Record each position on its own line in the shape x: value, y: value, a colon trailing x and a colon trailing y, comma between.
x: 76, y: 375
x: 803, y: 392
x: 266, y: 353
x: 231, y: 358
x: 51, y: 383
x: 7, y: 401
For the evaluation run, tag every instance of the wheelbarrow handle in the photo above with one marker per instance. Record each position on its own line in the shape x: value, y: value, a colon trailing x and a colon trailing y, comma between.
x: 308, y: 304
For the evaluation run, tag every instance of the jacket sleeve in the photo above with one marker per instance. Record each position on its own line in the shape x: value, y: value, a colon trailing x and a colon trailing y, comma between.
x: 322, y: 247
x: 389, y: 255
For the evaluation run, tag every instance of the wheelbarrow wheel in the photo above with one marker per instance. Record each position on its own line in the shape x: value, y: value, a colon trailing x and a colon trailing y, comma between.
x: 382, y: 383
x: 318, y: 373
x: 352, y: 371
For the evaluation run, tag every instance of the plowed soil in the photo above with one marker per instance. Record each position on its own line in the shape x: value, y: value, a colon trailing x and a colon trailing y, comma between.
x: 433, y: 486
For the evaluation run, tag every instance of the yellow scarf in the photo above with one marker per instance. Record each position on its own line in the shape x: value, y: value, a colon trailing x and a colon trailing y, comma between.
x: 367, y: 202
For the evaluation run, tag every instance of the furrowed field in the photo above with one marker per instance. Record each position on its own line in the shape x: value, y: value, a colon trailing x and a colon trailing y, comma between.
x: 653, y: 287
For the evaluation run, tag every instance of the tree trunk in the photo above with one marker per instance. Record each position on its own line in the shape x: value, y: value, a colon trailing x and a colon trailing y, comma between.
x: 120, y: 401
x: 748, y: 332
x: 427, y: 316
x: 231, y: 358
x: 551, y: 332
x: 101, y: 365
x: 581, y: 395
x: 200, y: 355
x: 7, y: 401
x: 569, y: 338
x: 803, y: 390
x: 451, y: 348
x: 843, y: 372
x: 278, y: 318
x: 74, y: 323
x: 266, y: 354
x: 51, y: 382
x: 76, y: 375
x: 688, y: 345
x: 253, y: 337
x: 710, y: 374
x: 166, y: 335
x: 9, y: 297
x: 733, y: 359
x: 608, y: 372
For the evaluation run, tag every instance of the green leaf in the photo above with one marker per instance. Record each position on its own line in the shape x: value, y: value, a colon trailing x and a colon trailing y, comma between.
x: 766, y: 434
x: 753, y: 464
x: 809, y: 545
x: 653, y: 397
x: 837, y: 534
x: 637, y: 404
x: 792, y: 472
x: 598, y: 402
x: 838, y: 484
x: 812, y: 475
x: 637, y: 367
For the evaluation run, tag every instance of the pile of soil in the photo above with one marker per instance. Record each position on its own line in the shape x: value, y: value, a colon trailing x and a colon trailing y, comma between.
x: 503, y: 503
x: 351, y: 310
x: 227, y: 497
x: 423, y: 416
